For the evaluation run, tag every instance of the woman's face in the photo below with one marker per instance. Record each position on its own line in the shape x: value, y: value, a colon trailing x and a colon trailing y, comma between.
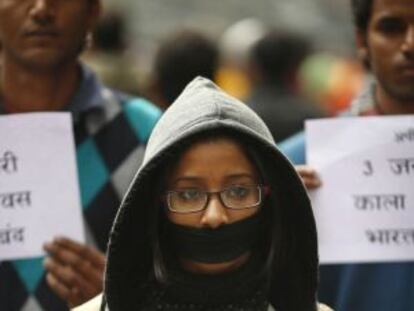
x: 212, y: 166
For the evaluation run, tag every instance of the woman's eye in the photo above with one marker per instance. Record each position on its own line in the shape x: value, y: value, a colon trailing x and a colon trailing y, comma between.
x: 189, y: 194
x: 238, y: 191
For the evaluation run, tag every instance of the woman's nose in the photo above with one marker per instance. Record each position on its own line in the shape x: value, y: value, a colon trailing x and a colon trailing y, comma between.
x: 215, y: 214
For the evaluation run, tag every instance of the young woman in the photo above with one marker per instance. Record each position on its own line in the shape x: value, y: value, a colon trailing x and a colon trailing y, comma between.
x: 215, y: 219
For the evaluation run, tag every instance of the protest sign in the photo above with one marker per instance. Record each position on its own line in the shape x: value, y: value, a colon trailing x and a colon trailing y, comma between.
x: 39, y: 192
x: 365, y: 207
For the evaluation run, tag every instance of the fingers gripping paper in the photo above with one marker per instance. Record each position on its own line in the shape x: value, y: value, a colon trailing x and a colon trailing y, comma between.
x: 39, y: 192
x: 365, y: 207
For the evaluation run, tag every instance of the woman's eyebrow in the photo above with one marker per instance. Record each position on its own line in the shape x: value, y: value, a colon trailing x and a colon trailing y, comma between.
x: 241, y: 175
x: 230, y: 177
x: 188, y: 178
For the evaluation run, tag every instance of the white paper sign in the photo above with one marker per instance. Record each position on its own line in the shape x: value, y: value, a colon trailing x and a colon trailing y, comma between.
x: 365, y: 207
x: 39, y: 192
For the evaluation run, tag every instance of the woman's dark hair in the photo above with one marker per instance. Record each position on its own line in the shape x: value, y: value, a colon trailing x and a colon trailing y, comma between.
x: 267, y: 246
x: 361, y: 11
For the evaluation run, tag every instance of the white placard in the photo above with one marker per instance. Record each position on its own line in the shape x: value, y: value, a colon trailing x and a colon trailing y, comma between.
x: 365, y: 207
x: 39, y: 192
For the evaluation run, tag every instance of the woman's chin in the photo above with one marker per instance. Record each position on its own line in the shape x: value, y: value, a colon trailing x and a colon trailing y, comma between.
x: 214, y: 268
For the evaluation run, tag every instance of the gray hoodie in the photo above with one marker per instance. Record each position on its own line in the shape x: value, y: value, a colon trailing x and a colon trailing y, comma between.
x: 203, y: 107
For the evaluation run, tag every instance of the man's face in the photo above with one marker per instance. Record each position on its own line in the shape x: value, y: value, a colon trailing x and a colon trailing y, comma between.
x: 43, y: 34
x: 389, y: 47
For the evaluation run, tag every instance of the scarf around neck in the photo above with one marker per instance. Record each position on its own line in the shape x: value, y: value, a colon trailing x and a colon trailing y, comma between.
x: 241, y: 290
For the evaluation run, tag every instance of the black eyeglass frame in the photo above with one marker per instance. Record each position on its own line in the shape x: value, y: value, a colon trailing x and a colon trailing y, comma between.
x: 264, y: 190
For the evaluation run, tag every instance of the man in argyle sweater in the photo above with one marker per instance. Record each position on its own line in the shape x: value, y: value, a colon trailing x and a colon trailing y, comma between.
x: 42, y: 40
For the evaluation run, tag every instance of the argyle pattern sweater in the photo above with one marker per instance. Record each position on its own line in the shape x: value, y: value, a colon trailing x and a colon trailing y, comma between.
x: 110, y: 140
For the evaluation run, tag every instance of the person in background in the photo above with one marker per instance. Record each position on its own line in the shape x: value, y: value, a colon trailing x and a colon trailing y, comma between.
x: 274, y: 63
x: 331, y: 80
x: 182, y: 57
x: 234, y: 46
x: 41, y: 71
x: 110, y: 57
x: 385, y: 44
x: 237, y: 237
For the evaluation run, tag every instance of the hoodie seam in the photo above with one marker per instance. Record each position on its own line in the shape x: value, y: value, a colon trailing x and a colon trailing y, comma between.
x: 217, y: 107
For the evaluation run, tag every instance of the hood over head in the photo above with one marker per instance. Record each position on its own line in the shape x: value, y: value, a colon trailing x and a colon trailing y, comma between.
x: 203, y: 108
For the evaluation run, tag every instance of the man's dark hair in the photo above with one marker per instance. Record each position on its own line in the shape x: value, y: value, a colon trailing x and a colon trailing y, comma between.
x: 361, y: 11
x: 180, y: 59
x: 278, y: 55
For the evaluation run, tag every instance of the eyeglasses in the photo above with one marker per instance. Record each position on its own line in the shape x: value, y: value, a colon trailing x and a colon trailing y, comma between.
x: 236, y: 197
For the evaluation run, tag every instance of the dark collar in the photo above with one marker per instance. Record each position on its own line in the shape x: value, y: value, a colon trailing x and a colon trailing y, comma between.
x: 89, y: 95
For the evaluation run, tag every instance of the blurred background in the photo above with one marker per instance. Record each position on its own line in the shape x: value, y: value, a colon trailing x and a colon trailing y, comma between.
x: 133, y: 31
